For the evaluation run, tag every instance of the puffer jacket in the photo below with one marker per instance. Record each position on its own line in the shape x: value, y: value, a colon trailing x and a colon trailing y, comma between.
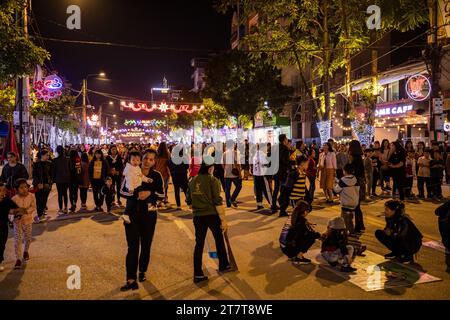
x: 348, y: 189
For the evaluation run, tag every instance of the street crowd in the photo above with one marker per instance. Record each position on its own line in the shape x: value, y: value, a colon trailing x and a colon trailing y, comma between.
x: 139, y: 175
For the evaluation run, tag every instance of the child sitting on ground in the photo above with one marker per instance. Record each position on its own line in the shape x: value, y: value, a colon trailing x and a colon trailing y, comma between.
x: 297, y: 235
x: 348, y: 190
x: 23, y: 220
x: 335, y: 248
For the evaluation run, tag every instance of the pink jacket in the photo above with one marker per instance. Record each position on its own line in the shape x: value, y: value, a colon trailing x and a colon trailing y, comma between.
x: 329, y: 159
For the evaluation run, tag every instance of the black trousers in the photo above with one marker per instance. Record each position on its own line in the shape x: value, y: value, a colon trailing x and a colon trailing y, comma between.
x: 420, y: 183
x: 139, y: 234
x: 41, y: 201
x: 397, y: 245
x: 408, y: 186
x: 376, y: 177
x: 3, y: 239
x: 83, y: 195
x: 276, y: 189
x: 73, y: 194
x: 117, y: 181
x: 62, y: 194
x: 399, y: 179
x: 202, y: 224
x: 109, y: 202
x: 436, y: 185
x: 292, y: 252
x: 96, y: 190
x: 177, y: 186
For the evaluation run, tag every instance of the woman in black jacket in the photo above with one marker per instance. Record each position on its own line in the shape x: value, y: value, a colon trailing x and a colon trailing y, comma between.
x: 298, y: 235
x: 98, y: 171
x: 75, y: 174
x: 61, y: 176
x: 179, y: 173
x: 42, y: 183
x: 396, y: 164
x: 116, y: 169
x: 400, y: 235
x: 355, y: 156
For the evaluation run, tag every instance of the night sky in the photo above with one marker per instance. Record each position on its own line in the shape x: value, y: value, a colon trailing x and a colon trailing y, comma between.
x: 191, y: 27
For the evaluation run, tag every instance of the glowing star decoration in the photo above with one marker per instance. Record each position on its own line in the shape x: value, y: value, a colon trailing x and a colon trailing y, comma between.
x: 418, y: 87
x: 364, y: 132
x: 49, y: 88
x: 162, y: 107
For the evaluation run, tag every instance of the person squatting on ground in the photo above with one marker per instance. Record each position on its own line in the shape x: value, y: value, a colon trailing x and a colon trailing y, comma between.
x: 23, y: 221
x: 209, y: 213
x: 443, y: 213
x: 400, y: 234
x: 7, y: 208
x: 348, y: 190
x: 335, y: 248
x: 298, y: 235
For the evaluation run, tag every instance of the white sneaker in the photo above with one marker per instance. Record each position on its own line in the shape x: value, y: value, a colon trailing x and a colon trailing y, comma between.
x: 152, y: 208
x: 60, y: 213
x: 125, y: 218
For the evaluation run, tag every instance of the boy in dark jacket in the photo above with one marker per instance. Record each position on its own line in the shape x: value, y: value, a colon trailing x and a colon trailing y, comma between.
x: 443, y: 212
x: 11, y: 172
x: 297, y: 235
x: 400, y: 235
x: 108, y: 192
x: 42, y: 182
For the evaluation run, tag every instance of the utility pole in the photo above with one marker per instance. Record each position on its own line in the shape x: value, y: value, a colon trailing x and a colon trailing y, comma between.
x: 23, y: 97
x: 433, y: 57
x: 84, y: 115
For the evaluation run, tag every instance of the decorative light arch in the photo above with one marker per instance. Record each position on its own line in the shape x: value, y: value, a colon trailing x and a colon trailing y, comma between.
x: 162, y: 107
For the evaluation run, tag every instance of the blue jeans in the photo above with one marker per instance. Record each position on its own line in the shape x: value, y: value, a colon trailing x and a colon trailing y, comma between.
x: 238, y: 186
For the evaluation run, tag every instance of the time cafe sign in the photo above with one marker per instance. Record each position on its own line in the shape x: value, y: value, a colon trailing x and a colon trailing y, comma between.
x: 396, y: 110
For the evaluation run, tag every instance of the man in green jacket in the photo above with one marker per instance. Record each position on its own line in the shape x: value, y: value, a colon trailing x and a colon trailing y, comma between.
x: 208, y: 212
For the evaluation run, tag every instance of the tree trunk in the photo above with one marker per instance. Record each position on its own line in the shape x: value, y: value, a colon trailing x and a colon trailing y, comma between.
x: 327, y: 52
x: 347, y: 58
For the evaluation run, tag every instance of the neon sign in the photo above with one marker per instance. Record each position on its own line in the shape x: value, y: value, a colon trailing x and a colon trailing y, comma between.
x: 162, y: 107
x: 93, y: 120
x: 418, y: 87
x: 393, y: 110
x: 49, y: 88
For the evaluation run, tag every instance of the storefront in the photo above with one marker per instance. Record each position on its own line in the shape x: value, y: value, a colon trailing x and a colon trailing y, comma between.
x: 404, y: 119
x: 268, y: 129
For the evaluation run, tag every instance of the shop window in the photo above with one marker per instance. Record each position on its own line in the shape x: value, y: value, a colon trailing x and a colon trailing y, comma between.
x: 394, y: 91
x: 382, y: 95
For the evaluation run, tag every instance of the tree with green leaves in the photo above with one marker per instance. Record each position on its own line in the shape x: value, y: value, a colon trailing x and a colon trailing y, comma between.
x: 242, y: 84
x: 18, y: 54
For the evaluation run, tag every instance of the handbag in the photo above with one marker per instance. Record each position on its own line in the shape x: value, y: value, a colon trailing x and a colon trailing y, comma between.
x: 235, y: 170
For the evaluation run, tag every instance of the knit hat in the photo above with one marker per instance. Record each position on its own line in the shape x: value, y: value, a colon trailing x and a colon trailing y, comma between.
x: 336, y: 223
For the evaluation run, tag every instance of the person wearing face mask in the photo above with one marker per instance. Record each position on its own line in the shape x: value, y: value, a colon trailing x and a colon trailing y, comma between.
x: 400, y: 234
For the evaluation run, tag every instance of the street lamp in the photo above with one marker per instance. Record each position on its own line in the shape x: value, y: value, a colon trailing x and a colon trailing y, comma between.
x: 84, y: 92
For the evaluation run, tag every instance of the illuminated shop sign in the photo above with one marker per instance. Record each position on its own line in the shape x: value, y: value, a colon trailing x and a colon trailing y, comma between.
x: 48, y: 88
x: 162, y: 107
x: 393, y: 110
x: 418, y: 87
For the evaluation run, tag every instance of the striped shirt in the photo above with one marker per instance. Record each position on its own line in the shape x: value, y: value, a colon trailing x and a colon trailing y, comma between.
x: 299, y: 188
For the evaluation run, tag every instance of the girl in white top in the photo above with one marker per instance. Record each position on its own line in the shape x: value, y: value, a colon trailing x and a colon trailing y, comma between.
x: 23, y: 221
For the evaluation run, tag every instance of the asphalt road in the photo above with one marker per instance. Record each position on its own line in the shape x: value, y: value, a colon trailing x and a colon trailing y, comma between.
x: 96, y: 244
